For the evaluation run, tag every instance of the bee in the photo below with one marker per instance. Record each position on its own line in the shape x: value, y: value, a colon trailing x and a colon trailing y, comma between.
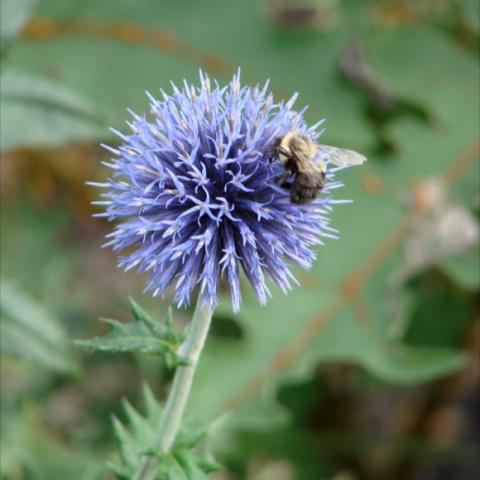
x: 299, y: 154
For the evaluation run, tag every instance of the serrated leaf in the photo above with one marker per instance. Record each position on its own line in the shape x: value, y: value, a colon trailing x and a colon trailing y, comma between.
x: 126, y: 443
x: 189, y: 464
x: 143, y: 316
x: 135, y: 420
x: 171, y: 469
x: 181, y: 463
x: 127, y: 337
x: 143, y: 335
x: 190, y: 440
x: 120, y: 472
x: 152, y: 407
x: 170, y: 333
x: 30, y: 332
x: 208, y: 466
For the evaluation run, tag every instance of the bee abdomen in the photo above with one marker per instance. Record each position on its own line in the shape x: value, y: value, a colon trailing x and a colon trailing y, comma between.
x: 306, y: 187
x: 303, y: 195
x: 311, y: 180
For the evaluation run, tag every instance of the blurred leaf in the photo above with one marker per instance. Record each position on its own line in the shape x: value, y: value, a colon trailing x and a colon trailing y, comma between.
x: 464, y: 269
x: 471, y: 12
x: 316, y: 454
x: 441, y: 312
x: 287, y: 338
x: 29, y: 332
x: 144, y: 335
x: 125, y: 337
x: 413, y: 365
x: 166, y: 41
x: 29, y: 451
x: 13, y: 15
x: 25, y: 230
x: 411, y: 63
x: 36, y: 111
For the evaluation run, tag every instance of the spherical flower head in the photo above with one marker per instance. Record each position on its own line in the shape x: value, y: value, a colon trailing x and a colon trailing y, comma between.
x: 195, y: 188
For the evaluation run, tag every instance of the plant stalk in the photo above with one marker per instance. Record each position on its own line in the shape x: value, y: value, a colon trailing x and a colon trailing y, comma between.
x: 182, y: 382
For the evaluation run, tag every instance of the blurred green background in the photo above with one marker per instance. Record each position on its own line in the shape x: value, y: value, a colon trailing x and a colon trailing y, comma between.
x: 370, y: 370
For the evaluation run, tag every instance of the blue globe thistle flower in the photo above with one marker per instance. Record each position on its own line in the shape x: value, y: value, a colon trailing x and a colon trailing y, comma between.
x: 195, y: 189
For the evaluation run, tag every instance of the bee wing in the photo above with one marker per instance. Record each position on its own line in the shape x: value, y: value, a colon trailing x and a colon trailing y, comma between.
x: 304, y: 163
x: 342, y: 156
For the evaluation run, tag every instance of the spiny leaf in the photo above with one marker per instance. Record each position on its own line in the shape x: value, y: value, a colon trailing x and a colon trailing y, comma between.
x: 143, y: 335
x: 152, y: 407
x: 137, y: 422
x: 193, y: 438
x: 143, y: 316
x: 209, y: 465
x: 125, y: 337
x: 170, y: 335
x: 125, y: 441
x: 120, y: 472
x: 170, y: 469
x: 182, y: 462
x: 190, y: 440
x: 191, y: 468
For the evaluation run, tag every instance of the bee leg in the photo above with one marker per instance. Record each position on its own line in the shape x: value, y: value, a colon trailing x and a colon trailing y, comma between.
x: 282, y: 181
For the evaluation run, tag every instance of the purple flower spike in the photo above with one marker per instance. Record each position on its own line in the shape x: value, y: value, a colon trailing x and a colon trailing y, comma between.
x: 195, y: 188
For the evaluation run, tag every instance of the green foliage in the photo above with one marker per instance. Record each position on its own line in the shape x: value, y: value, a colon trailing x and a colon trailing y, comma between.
x: 471, y: 13
x: 29, y: 332
x: 179, y: 39
x: 464, y: 269
x: 48, y: 112
x: 28, y: 451
x: 13, y: 15
x: 27, y: 228
x: 185, y: 461
x: 144, y: 335
x: 439, y: 298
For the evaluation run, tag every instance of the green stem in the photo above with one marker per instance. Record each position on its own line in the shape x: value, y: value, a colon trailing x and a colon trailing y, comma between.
x: 180, y: 391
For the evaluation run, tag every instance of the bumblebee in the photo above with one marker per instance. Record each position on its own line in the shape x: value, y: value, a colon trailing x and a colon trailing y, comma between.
x: 299, y: 154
